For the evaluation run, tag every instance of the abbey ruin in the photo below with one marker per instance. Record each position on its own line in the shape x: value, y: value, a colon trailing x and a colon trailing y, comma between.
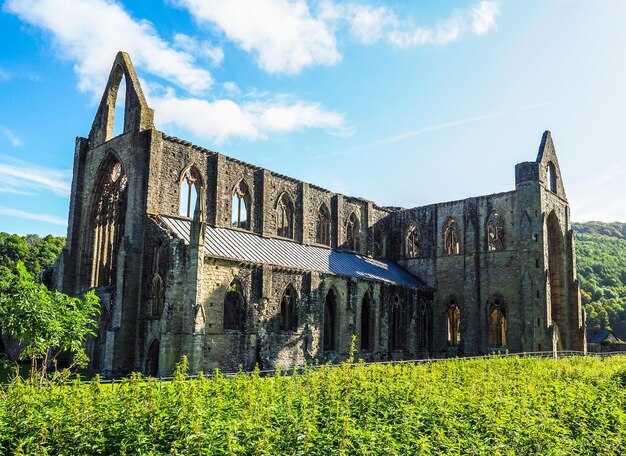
x: 196, y: 253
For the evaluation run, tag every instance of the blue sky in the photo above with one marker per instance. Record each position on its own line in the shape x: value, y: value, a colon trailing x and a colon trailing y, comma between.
x: 405, y: 103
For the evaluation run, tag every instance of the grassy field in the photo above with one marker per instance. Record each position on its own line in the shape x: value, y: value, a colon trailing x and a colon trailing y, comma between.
x: 483, y: 406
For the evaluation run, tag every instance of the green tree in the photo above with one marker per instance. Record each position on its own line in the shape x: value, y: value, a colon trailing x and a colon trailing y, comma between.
x: 48, y: 323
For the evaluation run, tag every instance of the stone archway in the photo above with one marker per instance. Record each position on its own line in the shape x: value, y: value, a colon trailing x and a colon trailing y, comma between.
x: 152, y: 360
x: 558, y: 309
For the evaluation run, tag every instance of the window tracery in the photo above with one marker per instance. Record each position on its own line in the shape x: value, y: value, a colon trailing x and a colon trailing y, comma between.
x: 412, y: 242
x: 108, y: 222
x: 352, y: 232
x: 451, y: 242
x: 284, y: 216
x: 240, y: 205
x: 322, y: 225
x: 495, y: 232
x: 189, y: 185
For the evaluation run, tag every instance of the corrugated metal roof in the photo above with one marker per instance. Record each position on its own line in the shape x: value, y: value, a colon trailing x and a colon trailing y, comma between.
x: 249, y: 247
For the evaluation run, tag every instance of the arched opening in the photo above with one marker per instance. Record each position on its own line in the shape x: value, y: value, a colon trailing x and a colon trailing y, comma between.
x: 234, y: 306
x: 495, y: 232
x: 284, y: 216
x: 398, y: 335
x: 411, y: 242
x: 322, y: 225
x: 189, y: 186
x: 152, y: 360
x: 380, y: 241
x: 551, y: 177
x: 497, y: 323
x: 352, y: 232
x: 555, y: 273
x: 240, y: 206
x: 453, y: 315
x: 367, y: 323
x: 330, y: 321
x: 288, y: 317
x: 108, y: 222
x: 157, y: 296
x: 119, y: 113
x: 451, y: 242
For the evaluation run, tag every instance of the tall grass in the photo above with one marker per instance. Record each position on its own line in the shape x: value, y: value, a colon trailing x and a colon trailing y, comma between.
x: 483, y: 406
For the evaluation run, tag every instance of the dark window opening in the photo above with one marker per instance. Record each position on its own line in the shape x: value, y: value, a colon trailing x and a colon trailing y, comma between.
x: 157, y: 296
x: 152, y: 360
x: 330, y: 322
x: 288, y: 317
x: 352, y: 233
x: 367, y: 323
x: 284, y: 216
x: 234, y: 307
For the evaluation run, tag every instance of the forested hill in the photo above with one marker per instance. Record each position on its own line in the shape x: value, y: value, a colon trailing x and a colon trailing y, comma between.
x: 601, y: 262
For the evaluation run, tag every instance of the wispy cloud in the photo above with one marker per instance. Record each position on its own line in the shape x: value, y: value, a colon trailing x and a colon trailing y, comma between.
x: 4, y: 75
x: 10, y: 212
x: 420, y: 131
x: 10, y: 136
x: 100, y: 28
x: 21, y: 177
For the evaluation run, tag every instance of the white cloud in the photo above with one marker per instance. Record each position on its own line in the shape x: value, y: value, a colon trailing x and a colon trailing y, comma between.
x: 484, y: 17
x: 15, y: 140
x: 199, y: 48
x: 33, y: 216
x: 283, y: 34
x: 22, y: 177
x: 4, y: 75
x: 90, y: 32
x: 221, y: 120
x: 368, y: 24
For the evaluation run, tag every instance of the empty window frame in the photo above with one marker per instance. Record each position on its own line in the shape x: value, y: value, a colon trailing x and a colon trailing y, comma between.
x: 189, y: 185
x: 495, y: 232
x: 330, y: 321
x: 497, y: 323
x: 240, y: 206
x: 451, y: 242
x: 108, y: 222
x: 453, y: 317
x: 411, y: 244
x: 352, y: 233
x: 551, y: 177
x: 322, y: 225
x: 234, y: 306
x: 288, y: 317
x: 367, y: 323
x: 284, y: 216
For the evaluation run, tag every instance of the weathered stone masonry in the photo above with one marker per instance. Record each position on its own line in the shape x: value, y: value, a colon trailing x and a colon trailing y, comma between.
x: 234, y: 265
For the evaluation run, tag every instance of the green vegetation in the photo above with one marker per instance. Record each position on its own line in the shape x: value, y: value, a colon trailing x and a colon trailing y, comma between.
x: 48, y: 323
x: 485, y: 406
x: 601, y: 262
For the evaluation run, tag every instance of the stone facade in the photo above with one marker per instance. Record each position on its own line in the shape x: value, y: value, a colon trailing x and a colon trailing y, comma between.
x: 498, y: 271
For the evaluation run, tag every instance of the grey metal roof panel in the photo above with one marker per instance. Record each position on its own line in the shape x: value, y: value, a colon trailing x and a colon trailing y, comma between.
x: 240, y: 245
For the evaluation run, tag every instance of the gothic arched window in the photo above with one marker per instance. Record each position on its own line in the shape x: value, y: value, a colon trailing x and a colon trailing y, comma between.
x: 352, y: 232
x: 189, y: 185
x: 284, y: 216
x: 451, y: 242
x: 330, y: 321
x: 454, y: 323
x: 367, y: 323
x: 158, y: 297
x: 412, y: 242
x: 322, y: 225
x: 109, y: 214
x: 288, y: 317
x: 495, y: 232
x: 380, y: 242
x: 240, y: 206
x: 234, y: 306
x: 497, y: 323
